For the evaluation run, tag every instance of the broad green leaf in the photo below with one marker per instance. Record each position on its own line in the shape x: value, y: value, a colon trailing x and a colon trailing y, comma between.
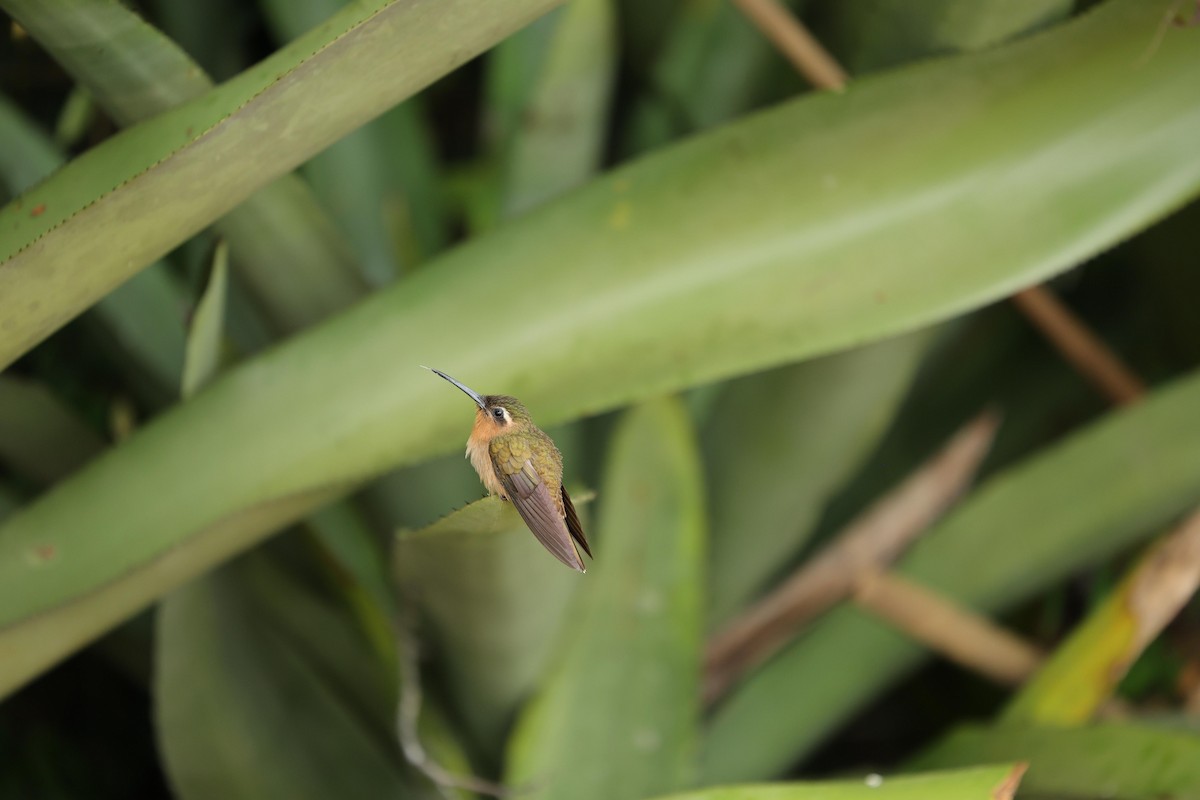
x: 129, y: 200
x: 143, y: 317
x: 493, y: 599
x: 297, y: 264
x: 778, y: 445
x: 618, y: 716
x: 867, y: 35
x: 208, y: 327
x: 1029, y: 526
x: 127, y: 66
x: 264, y: 690
x: 384, y: 172
x: 42, y: 439
x: 561, y: 126
x: 1127, y: 760
x: 716, y: 65
x: 984, y: 783
x: 771, y: 473
x: 834, y: 230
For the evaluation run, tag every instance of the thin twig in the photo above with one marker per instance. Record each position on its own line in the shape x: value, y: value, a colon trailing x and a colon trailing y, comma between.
x: 874, y: 539
x: 794, y: 41
x: 1079, y: 345
x: 408, y: 716
x: 965, y: 637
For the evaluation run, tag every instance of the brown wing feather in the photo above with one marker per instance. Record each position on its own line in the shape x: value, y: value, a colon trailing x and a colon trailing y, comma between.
x: 573, y: 523
x: 532, y: 500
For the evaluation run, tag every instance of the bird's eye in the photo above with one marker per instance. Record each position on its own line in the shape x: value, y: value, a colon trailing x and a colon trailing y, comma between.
x: 498, y: 412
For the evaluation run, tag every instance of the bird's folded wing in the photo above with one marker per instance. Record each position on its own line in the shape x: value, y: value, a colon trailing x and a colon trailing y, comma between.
x: 532, y: 499
x: 573, y: 523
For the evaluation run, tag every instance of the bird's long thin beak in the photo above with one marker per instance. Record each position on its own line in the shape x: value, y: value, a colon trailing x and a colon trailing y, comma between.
x: 478, y: 400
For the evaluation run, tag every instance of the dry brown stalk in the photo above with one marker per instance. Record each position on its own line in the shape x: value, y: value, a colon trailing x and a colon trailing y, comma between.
x: 969, y: 639
x: 1079, y: 345
x: 794, y: 41
x: 874, y: 539
x: 1163, y: 582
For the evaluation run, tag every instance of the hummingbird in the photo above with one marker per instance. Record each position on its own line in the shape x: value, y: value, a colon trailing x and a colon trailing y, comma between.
x: 517, y: 461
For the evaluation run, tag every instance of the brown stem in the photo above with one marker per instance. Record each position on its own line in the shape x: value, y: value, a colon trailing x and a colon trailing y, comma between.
x: 874, y: 539
x: 792, y: 39
x: 1079, y: 345
x: 969, y: 639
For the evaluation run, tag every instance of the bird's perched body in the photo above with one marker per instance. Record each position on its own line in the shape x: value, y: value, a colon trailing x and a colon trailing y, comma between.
x: 518, y: 462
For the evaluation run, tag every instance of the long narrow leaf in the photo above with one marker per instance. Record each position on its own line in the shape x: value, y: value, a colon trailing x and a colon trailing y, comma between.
x: 208, y: 327
x: 131, y: 199
x: 357, y: 177
x: 143, y: 316
x: 1068, y: 507
x: 290, y: 254
x: 493, y: 599
x: 798, y: 232
x: 264, y: 691
x: 981, y: 783
x: 1129, y: 760
x: 618, y: 716
x: 560, y: 130
x: 872, y: 34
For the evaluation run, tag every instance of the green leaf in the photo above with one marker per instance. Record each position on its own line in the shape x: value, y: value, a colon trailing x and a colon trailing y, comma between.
x: 716, y: 65
x: 980, y: 782
x: 777, y: 447
x: 28, y: 154
x: 42, y: 439
x: 263, y: 690
x: 287, y: 249
x: 797, y: 232
x: 560, y: 126
x: 1071, y: 505
x: 127, y: 66
x: 868, y: 35
x: 617, y: 718
x: 1126, y: 760
x: 144, y: 316
x: 208, y: 327
x: 378, y: 182
x: 131, y: 199
x: 493, y: 599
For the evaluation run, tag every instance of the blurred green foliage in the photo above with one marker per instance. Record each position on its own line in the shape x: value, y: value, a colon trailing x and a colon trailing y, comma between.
x: 234, y: 230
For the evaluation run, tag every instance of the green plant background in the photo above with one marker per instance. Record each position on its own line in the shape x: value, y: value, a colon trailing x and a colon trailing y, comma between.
x: 742, y: 308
